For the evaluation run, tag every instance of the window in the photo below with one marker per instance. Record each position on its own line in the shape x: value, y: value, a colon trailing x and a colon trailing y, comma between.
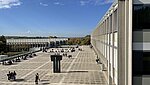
x: 146, y: 63
x: 141, y: 17
x: 141, y: 63
x: 137, y: 62
x: 115, y: 20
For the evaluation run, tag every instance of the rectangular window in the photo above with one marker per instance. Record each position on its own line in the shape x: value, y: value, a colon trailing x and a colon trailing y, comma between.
x: 137, y: 63
x: 141, y: 63
x: 146, y: 63
x: 115, y: 20
x: 141, y: 16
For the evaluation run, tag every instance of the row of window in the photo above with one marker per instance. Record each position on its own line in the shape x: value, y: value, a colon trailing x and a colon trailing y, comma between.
x: 109, y: 25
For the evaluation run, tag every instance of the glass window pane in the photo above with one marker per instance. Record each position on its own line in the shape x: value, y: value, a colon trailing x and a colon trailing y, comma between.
x: 141, y: 17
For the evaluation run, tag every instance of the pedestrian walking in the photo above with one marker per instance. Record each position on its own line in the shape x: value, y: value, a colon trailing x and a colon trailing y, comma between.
x: 8, y: 75
x: 11, y: 75
x: 97, y: 60
x: 37, y: 78
x: 14, y: 75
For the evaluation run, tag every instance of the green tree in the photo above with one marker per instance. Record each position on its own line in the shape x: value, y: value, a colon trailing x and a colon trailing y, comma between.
x: 3, y: 47
x: 80, y: 41
x: 86, y: 40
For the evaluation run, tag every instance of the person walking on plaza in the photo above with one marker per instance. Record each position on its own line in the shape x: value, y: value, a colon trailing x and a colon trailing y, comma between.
x: 37, y: 78
x: 8, y: 75
x: 14, y: 75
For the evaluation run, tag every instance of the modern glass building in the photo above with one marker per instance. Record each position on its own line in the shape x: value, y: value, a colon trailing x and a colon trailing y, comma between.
x: 122, y: 42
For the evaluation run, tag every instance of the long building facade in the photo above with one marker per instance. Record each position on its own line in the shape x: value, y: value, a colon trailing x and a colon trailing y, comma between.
x: 122, y: 42
x: 26, y: 44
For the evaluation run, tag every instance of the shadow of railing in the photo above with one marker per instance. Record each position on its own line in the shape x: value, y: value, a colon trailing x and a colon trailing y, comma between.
x: 74, y: 72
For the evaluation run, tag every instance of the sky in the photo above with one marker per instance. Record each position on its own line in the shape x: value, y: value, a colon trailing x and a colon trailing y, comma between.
x: 63, y: 18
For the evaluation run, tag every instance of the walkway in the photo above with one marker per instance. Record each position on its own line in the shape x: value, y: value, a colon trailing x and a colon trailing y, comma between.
x: 81, y: 69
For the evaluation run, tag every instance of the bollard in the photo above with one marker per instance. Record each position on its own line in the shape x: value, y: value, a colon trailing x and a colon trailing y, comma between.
x: 56, y: 63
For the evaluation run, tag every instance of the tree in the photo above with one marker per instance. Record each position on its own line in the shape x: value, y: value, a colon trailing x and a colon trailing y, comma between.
x: 52, y: 37
x: 3, y: 46
x: 86, y: 40
x: 80, y: 41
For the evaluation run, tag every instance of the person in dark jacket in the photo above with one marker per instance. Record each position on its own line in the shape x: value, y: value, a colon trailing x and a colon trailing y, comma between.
x: 14, y: 75
x: 8, y: 75
x: 37, y: 78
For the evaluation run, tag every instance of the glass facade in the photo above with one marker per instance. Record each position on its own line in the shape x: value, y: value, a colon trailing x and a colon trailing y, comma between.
x: 141, y: 22
x: 141, y: 42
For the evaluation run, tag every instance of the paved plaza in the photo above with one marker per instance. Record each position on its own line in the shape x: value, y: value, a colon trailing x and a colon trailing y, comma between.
x: 81, y: 69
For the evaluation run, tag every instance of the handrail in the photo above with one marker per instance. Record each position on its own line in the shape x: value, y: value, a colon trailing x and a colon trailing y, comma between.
x: 16, y: 56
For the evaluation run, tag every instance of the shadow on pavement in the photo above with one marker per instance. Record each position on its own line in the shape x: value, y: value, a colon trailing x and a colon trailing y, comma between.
x: 44, y: 80
x: 45, y: 83
x: 19, y: 80
x: 77, y: 71
x: 74, y: 72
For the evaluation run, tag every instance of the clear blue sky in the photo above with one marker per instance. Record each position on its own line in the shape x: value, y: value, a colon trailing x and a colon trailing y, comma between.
x: 67, y: 18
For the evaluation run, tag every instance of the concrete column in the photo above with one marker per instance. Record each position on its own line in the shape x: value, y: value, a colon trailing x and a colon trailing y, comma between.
x: 121, y: 43
x: 113, y: 47
x: 124, y: 42
x: 109, y: 65
x: 130, y: 44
